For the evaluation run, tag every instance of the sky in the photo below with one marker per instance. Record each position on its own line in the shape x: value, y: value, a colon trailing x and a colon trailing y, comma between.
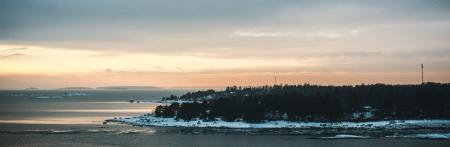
x: 202, y: 43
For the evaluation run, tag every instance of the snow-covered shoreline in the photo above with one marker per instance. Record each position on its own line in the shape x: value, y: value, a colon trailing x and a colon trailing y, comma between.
x: 176, y: 101
x: 151, y: 120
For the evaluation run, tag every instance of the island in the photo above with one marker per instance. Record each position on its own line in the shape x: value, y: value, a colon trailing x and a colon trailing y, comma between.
x: 371, y: 106
x: 127, y: 88
x: 76, y: 88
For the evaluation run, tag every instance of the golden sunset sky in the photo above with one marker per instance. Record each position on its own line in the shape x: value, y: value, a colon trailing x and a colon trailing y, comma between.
x: 199, y: 43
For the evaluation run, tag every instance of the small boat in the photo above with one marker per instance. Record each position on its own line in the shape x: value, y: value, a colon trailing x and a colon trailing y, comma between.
x: 131, y: 100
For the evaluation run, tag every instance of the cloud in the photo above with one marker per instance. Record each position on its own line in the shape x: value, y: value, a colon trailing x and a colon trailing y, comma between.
x: 143, y: 25
x: 121, y: 35
x: 424, y: 53
x: 297, y: 54
x: 17, y: 49
x: 335, y: 34
x: 108, y: 70
x: 252, y: 70
x: 9, y: 56
x: 263, y: 34
x: 106, y: 54
x: 324, y: 34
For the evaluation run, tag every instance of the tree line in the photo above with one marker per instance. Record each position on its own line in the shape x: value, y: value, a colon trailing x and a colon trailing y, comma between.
x: 313, y: 103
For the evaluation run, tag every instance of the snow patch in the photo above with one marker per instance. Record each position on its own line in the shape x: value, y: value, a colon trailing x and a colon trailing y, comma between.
x: 177, y: 101
x: 345, y: 136
x: 438, y: 136
x: 151, y: 120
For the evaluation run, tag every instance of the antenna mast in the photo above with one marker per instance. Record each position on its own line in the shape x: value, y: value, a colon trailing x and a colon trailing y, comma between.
x: 275, y: 80
x: 422, y: 72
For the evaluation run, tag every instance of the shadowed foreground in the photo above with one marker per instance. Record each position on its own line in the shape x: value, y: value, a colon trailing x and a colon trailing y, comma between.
x: 149, y: 136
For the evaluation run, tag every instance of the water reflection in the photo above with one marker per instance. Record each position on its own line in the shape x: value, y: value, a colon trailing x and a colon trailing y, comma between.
x: 55, y: 120
x: 139, y: 110
x: 82, y: 110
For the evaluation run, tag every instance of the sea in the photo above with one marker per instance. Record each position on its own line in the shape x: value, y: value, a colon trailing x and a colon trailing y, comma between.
x: 75, y: 118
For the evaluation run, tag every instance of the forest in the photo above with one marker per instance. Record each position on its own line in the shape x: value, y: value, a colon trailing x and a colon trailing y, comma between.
x: 309, y: 102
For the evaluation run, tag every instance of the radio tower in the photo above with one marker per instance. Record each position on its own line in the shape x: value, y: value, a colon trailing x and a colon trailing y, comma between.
x: 422, y: 72
x: 275, y: 77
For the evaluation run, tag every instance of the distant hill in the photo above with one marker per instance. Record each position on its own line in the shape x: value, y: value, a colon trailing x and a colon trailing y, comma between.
x: 76, y: 88
x: 32, y: 88
x: 127, y: 88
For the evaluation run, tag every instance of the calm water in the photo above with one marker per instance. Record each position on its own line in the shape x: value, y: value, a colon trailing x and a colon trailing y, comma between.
x: 76, y: 107
x: 43, y: 118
